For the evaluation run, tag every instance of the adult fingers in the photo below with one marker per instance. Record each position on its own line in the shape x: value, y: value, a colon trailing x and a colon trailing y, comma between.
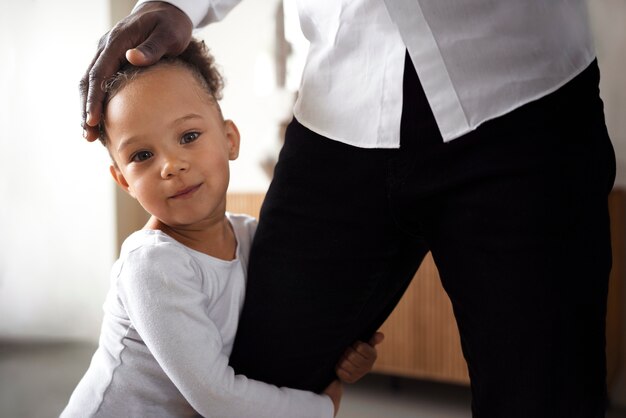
x: 107, y: 61
x: 158, y: 44
x: 90, y: 133
x: 154, y: 29
x: 112, y: 50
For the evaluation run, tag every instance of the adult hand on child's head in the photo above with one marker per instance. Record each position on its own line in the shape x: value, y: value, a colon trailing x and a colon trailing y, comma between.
x: 358, y: 359
x: 153, y: 30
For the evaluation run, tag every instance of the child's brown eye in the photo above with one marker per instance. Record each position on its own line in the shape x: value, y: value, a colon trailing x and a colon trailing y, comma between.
x: 189, y: 137
x: 141, y: 156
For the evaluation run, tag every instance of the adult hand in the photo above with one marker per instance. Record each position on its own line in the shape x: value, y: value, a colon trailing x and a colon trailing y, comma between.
x: 153, y: 30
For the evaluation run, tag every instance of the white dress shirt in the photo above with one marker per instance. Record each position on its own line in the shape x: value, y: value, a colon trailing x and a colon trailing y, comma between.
x: 476, y: 60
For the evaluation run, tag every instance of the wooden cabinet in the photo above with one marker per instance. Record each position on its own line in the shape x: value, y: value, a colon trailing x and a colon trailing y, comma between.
x: 421, y: 337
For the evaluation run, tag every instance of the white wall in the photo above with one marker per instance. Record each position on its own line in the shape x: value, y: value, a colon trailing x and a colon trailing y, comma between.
x: 56, y: 211
x: 244, y: 45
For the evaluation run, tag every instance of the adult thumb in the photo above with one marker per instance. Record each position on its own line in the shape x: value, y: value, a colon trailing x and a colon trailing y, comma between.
x: 148, y: 52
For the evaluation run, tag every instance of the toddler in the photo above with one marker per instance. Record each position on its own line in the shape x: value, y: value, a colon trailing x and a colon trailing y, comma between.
x: 178, y: 286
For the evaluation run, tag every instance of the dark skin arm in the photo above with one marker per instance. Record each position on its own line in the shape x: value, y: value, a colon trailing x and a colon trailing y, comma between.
x: 154, y: 30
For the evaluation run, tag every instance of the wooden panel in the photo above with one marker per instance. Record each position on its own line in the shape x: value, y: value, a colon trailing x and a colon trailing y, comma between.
x: 421, y: 337
x: 614, y: 317
x: 248, y: 203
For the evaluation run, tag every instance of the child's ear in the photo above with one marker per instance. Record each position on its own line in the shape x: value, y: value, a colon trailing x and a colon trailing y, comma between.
x: 232, y: 135
x: 120, y: 179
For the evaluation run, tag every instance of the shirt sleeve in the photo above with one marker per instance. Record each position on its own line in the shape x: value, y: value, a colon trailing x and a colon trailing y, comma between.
x: 160, y: 286
x: 201, y: 12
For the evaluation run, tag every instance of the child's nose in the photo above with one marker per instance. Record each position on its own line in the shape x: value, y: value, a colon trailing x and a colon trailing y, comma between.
x: 173, y: 165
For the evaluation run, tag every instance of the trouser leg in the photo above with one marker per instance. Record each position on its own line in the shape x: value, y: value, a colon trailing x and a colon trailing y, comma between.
x: 517, y: 221
x: 529, y: 294
x: 327, y: 264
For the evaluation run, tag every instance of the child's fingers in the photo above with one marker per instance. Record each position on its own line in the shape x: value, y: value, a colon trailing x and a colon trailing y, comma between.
x: 376, y: 339
x: 358, y: 359
x: 344, y: 369
x: 368, y: 350
x: 364, y: 350
x: 349, y: 371
x: 360, y: 355
x: 346, y: 375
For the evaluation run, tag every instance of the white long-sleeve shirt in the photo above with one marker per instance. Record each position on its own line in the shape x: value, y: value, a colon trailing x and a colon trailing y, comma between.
x: 476, y: 60
x: 170, y: 321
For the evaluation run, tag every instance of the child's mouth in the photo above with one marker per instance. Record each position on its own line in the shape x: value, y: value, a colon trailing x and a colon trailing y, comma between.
x: 187, y: 192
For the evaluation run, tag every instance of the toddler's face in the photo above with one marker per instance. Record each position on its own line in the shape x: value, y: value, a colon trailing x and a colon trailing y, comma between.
x: 171, y: 146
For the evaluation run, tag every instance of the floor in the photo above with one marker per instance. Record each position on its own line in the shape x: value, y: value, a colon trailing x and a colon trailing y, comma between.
x: 36, y: 381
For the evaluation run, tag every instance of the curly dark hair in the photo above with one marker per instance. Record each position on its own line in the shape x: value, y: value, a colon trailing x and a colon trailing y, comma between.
x: 196, y: 58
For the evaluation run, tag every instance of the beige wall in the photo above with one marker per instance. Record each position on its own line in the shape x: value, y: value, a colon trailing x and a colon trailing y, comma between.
x: 607, y: 18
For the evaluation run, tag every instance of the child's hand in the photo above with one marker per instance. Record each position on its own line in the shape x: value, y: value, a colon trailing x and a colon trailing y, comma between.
x: 358, y: 359
x: 334, y: 391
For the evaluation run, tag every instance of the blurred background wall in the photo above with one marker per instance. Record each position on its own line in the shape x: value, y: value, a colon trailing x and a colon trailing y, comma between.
x: 60, y: 223
x: 56, y: 211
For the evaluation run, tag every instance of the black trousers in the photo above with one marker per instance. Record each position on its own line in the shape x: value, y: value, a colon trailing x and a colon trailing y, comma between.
x: 515, y: 215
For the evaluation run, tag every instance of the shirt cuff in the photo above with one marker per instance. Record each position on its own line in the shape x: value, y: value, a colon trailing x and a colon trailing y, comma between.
x: 196, y: 10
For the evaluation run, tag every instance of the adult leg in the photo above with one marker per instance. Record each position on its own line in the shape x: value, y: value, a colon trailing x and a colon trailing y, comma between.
x: 517, y: 221
x: 327, y: 264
